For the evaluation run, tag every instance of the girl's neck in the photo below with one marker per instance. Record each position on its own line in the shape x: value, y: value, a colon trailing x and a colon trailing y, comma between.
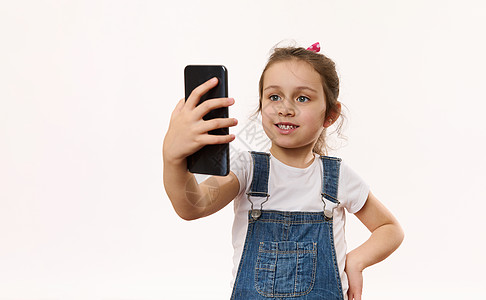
x: 298, y: 157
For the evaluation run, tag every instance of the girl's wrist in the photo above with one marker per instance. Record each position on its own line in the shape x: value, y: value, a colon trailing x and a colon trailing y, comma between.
x: 174, y: 161
x: 354, y: 263
x: 169, y: 157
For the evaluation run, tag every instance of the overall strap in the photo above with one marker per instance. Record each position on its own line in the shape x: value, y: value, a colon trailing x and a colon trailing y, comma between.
x: 261, y: 169
x: 259, y: 182
x: 330, y: 183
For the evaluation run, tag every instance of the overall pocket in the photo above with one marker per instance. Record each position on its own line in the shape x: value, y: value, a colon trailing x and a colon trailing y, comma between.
x: 285, y: 269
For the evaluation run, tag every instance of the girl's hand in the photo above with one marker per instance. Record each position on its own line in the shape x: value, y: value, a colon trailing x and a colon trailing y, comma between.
x: 188, y: 132
x: 355, y: 280
x: 386, y: 236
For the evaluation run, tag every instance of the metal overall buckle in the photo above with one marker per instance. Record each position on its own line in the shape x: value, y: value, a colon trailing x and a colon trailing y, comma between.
x: 256, y: 213
x: 328, y: 213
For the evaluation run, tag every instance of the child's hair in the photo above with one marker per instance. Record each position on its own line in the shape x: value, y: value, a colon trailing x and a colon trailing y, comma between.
x: 330, y: 82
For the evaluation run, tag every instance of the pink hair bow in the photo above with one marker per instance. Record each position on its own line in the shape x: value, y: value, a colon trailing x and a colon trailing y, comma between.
x: 315, y: 47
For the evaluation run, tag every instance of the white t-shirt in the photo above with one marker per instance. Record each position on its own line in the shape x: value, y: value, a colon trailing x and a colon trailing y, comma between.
x: 295, y: 189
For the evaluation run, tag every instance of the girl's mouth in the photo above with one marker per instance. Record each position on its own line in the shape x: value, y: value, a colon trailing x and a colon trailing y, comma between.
x: 286, y: 128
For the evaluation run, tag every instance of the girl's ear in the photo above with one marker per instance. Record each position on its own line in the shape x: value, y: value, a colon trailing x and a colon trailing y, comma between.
x: 333, y: 115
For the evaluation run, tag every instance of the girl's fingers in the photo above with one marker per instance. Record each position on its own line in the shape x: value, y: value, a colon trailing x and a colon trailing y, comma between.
x: 354, y: 295
x: 217, y: 123
x: 198, y: 92
x: 208, y: 105
x: 210, y: 139
x: 178, y: 107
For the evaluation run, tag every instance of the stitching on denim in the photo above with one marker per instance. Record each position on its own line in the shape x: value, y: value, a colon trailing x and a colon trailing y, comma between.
x: 265, y: 218
x: 294, y: 293
x: 334, y: 260
x: 292, y: 222
x: 331, y: 227
x: 287, y: 226
x: 257, y: 275
x: 286, y: 220
x: 253, y: 175
x: 329, y: 196
x: 267, y: 161
x: 243, y: 254
x: 287, y: 252
x: 259, y: 194
x: 291, y: 213
x: 288, y: 231
x: 296, y: 272
x: 331, y: 158
x: 259, y: 152
x: 338, y: 172
x: 330, y: 182
x: 259, y: 258
x: 260, y: 177
x: 314, y: 268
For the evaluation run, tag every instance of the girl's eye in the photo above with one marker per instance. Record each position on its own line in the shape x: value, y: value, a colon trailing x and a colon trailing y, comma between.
x: 303, y: 99
x: 274, y: 98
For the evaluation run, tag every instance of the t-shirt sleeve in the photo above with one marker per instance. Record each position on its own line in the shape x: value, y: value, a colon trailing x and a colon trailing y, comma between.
x: 353, y: 190
x: 241, y: 166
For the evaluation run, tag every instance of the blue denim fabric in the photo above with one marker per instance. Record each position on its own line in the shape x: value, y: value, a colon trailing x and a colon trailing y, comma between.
x: 261, y: 169
x: 330, y: 180
x: 289, y: 255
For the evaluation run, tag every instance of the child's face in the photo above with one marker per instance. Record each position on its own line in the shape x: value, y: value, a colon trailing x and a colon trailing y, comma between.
x: 293, y: 104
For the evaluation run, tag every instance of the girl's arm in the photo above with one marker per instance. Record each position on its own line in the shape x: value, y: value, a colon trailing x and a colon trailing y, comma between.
x: 187, y: 133
x: 192, y: 200
x: 386, y: 236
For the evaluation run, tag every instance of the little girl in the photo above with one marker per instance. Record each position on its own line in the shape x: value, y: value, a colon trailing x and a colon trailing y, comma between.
x: 288, y: 232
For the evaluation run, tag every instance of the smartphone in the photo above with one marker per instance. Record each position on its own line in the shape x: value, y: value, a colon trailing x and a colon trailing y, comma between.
x: 211, y: 159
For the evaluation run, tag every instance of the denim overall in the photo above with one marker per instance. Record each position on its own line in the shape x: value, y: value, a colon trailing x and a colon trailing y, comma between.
x: 289, y: 255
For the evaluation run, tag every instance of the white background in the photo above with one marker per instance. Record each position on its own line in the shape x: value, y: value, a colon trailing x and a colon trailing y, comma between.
x: 86, y: 91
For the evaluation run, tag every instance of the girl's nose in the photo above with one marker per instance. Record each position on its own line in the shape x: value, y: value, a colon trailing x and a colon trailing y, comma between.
x: 285, y: 109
